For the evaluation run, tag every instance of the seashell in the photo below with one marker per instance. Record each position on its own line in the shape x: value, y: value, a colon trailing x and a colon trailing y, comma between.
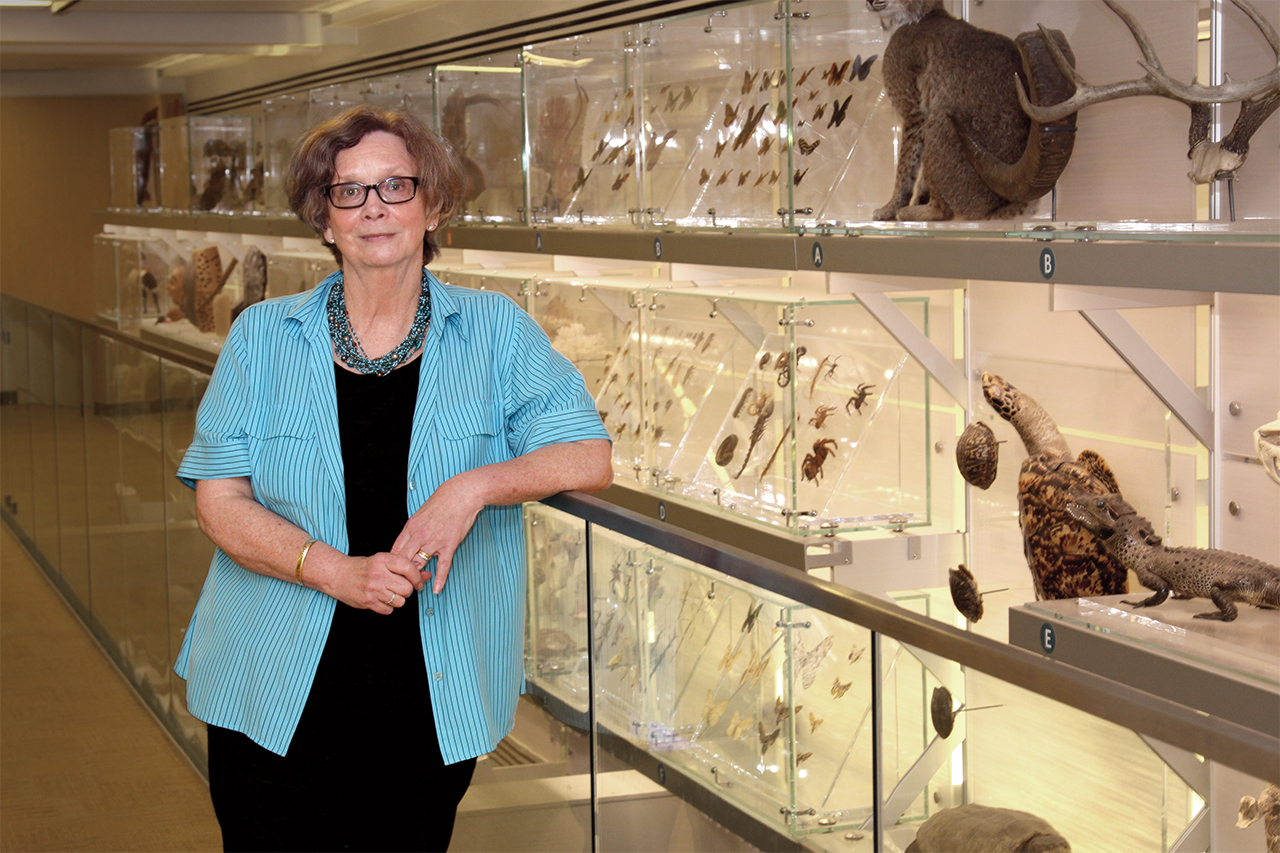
x: 255, y: 280
x: 977, y: 453
x: 724, y: 453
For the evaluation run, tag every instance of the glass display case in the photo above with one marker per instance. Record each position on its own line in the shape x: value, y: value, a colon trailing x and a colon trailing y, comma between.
x: 586, y: 147
x: 295, y: 270
x: 205, y: 163
x: 716, y: 116
x: 130, y: 273
x: 285, y: 118
x: 480, y: 112
x: 135, y: 167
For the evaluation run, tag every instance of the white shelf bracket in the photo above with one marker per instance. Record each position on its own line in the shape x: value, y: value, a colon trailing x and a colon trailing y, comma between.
x: 923, y: 350
x: 1152, y: 369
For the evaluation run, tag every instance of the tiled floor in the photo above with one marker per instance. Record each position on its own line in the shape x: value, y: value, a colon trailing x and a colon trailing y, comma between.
x: 83, y: 765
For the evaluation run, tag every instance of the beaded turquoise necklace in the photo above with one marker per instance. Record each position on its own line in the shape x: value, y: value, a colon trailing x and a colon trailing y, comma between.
x: 347, y: 344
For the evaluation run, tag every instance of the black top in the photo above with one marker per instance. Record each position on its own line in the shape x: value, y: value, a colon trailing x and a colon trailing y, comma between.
x: 373, y: 663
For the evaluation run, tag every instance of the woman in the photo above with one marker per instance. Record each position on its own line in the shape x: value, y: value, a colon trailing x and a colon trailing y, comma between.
x: 349, y: 436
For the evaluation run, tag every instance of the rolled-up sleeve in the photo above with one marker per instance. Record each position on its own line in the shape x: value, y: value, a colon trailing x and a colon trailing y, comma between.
x: 546, y: 398
x: 220, y: 447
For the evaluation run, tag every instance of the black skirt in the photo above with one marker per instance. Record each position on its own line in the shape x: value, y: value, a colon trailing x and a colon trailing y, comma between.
x: 363, y: 771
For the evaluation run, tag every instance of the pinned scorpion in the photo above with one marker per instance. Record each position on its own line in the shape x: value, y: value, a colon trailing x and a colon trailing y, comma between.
x: 859, y: 398
x: 813, y: 462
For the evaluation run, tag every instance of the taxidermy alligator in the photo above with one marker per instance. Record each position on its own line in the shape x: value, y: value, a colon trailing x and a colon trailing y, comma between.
x: 1221, y: 576
x: 969, y: 151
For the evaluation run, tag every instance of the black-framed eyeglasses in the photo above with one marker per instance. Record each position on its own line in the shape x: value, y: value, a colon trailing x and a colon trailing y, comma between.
x: 354, y: 194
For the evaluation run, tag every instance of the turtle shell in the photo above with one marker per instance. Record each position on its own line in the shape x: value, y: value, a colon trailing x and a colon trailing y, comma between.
x: 1066, y: 560
x: 977, y: 453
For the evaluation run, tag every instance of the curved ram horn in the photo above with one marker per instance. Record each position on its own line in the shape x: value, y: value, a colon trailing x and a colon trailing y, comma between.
x: 1048, y: 146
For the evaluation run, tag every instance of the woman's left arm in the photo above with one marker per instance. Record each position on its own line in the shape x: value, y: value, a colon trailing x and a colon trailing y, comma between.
x: 440, y: 525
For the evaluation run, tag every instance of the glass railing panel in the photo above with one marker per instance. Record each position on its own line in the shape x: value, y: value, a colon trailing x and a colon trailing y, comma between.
x: 43, y: 521
x: 188, y: 551
x: 108, y: 588
x: 68, y: 431
x: 137, y: 414
x: 15, y: 397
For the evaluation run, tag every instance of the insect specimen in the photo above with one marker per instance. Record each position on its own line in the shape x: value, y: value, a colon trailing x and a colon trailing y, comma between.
x: 739, y: 726
x: 757, y: 433
x: 673, y: 98
x: 654, y: 148
x: 765, y: 146
x: 766, y: 740
x: 804, y: 76
x: 860, y: 395
x: 658, y: 432
x: 764, y: 469
x: 964, y: 593
x: 724, y: 177
x: 829, y: 364
x: 755, y: 669
x: 688, y: 374
x: 746, y: 395
x: 748, y: 80
x: 749, y: 127
x: 781, y: 710
x: 782, y: 112
x: 773, y: 177
x: 713, y: 711
x: 750, y: 621
x: 766, y: 80
x: 838, y: 688
x: 743, y: 176
x: 814, y: 722
x: 764, y: 361
x: 711, y: 337
x: 599, y: 151
x: 581, y: 179
x: 798, y: 176
x: 803, y: 756
x: 819, y: 111
x: 724, y: 452
x: 720, y: 146
x: 813, y: 93
x: 631, y: 159
x: 760, y: 180
x: 807, y: 662
x: 839, y: 111
x: 730, y: 655
x: 731, y: 114
x: 807, y: 147
x: 702, y: 179
x: 862, y: 69
x: 813, y: 462
x: 687, y: 96
x: 835, y: 75
x: 783, y: 365
x: 855, y: 654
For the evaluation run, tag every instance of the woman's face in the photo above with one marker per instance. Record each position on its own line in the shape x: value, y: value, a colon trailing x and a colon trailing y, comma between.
x: 377, y: 234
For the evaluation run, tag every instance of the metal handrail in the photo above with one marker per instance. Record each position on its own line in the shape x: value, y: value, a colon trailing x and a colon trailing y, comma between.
x: 1223, y: 741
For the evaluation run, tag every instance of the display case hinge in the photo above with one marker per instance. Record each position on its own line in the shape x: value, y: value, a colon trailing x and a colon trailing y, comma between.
x: 821, y: 552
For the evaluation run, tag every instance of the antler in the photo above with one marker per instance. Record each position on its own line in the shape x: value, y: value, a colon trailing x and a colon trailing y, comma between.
x: 1156, y: 81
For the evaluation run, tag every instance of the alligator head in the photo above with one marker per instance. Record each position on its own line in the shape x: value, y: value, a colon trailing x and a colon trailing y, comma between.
x: 1105, y: 515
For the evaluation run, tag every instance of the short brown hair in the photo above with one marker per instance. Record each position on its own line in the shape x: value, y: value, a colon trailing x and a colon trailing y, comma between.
x: 312, y: 167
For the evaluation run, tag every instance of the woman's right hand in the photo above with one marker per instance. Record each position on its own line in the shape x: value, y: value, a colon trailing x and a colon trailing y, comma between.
x: 379, y: 583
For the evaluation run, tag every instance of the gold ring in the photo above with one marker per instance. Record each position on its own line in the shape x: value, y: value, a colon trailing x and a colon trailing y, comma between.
x: 426, y: 558
x: 391, y: 602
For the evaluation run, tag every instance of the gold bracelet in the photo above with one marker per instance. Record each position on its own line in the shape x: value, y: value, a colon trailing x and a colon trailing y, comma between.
x: 302, y: 555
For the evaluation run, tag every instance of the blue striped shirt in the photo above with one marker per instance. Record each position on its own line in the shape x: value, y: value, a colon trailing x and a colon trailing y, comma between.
x: 491, y: 388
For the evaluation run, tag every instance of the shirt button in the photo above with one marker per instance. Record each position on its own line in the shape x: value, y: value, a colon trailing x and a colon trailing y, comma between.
x: 431, y: 611
x: 412, y: 485
x: 439, y: 675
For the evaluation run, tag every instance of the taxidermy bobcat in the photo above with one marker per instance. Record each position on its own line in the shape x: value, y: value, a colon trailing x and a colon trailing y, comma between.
x: 968, y: 151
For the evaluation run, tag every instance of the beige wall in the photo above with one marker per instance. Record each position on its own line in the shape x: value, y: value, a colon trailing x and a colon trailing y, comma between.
x: 54, y: 176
